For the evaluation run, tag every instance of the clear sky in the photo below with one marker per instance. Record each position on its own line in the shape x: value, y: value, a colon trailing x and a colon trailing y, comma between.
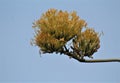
x: 21, y: 63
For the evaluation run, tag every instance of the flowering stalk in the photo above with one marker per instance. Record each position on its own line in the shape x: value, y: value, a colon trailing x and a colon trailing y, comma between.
x: 56, y: 28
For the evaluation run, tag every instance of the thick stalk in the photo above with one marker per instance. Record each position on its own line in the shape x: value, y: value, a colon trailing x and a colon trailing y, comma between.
x: 72, y: 55
x: 98, y: 60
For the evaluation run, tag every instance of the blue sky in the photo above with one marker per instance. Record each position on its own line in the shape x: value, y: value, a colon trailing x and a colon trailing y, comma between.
x: 21, y: 63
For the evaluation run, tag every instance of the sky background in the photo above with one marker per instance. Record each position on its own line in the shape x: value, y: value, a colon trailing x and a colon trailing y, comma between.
x: 21, y: 63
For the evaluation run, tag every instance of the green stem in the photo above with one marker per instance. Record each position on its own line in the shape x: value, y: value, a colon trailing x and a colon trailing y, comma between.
x: 92, y: 60
x: 99, y: 60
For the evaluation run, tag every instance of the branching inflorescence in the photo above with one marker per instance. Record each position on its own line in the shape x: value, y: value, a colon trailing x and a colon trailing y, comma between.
x: 56, y: 28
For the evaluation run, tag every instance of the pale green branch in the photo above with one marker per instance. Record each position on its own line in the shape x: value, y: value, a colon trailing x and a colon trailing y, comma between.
x: 98, y: 60
x: 92, y: 60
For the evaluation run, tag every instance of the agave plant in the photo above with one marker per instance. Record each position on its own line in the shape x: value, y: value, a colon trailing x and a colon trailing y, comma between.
x: 87, y: 43
x: 56, y: 28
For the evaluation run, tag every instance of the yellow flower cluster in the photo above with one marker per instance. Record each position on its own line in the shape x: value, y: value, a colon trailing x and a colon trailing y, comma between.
x: 87, y: 43
x: 55, y: 28
x: 47, y: 43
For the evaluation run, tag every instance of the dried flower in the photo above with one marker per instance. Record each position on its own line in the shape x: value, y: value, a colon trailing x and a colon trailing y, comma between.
x: 87, y: 43
x: 55, y: 28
